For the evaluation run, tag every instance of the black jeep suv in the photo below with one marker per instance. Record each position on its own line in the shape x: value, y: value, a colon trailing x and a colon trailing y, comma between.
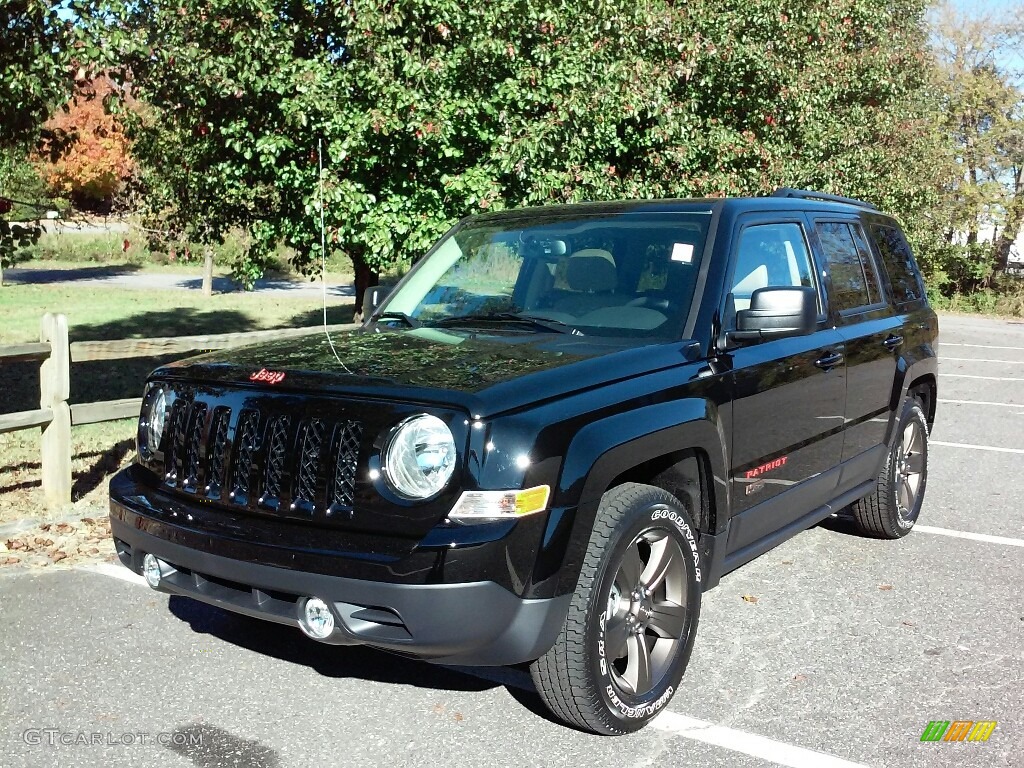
x: 557, y: 431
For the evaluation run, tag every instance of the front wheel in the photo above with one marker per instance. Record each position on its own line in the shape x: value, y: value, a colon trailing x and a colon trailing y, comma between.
x: 892, y: 509
x: 633, y: 618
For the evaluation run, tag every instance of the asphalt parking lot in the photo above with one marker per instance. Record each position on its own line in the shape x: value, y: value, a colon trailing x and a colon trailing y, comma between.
x: 852, y: 646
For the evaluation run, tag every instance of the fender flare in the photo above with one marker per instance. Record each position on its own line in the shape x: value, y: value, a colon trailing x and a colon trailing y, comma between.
x: 602, y: 451
x: 908, y: 371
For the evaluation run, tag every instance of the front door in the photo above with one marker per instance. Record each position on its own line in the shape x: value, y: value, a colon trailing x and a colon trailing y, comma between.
x: 789, y: 394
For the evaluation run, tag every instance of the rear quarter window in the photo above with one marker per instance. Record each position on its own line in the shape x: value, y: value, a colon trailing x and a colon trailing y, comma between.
x: 854, y: 282
x: 904, y: 276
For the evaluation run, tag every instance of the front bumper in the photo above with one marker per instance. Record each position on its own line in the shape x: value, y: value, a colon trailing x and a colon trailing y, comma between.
x: 469, y: 622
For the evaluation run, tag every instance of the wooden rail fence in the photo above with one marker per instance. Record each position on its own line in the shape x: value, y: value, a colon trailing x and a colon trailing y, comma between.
x: 56, y: 416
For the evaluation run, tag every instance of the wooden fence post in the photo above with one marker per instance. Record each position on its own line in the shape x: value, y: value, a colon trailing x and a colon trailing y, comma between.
x: 208, y: 271
x: 54, y: 390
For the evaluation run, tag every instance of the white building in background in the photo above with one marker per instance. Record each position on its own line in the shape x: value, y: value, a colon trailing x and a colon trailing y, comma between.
x: 1016, y: 259
x: 987, y: 233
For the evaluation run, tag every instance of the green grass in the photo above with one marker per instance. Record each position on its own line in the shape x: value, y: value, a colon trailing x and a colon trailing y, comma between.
x: 1006, y: 300
x: 132, y: 246
x: 120, y: 313
x: 100, y: 313
x: 112, y: 313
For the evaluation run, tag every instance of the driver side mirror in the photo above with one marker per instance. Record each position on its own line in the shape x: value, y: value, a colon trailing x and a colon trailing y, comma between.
x: 777, y: 313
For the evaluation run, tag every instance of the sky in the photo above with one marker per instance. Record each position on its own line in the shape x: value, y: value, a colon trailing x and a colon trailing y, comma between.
x: 998, y: 10
x: 992, y: 5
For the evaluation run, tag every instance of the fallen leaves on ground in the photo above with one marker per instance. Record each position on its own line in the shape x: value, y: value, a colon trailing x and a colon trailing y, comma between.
x: 749, y: 599
x: 885, y: 587
x: 69, y: 543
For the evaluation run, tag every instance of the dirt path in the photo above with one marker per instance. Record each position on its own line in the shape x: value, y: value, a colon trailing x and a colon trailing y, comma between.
x: 125, y: 277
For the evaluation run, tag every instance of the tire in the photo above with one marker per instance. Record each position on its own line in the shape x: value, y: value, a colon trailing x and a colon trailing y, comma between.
x: 593, y: 677
x: 892, y: 509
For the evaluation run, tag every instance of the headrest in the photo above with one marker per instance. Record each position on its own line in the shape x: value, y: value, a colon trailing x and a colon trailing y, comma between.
x: 591, y: 270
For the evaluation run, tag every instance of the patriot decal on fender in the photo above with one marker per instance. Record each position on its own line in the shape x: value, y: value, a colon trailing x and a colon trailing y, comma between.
x: 774, y: 464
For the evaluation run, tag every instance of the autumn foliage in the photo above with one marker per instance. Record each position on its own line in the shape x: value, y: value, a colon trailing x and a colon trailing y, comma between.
x: 87, y: 155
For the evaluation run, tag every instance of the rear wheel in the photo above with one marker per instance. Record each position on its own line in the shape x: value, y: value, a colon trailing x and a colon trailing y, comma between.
x: 633, y: 619
x: 892, y: 509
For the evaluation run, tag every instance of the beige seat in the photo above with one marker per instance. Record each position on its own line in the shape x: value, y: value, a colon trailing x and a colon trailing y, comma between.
x: 591, y: 277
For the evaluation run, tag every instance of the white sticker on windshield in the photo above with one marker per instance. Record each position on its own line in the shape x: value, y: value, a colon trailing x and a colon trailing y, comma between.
x: 682, y: 252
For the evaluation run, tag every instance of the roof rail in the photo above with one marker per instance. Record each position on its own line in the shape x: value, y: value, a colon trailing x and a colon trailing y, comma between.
x: 807, y: 194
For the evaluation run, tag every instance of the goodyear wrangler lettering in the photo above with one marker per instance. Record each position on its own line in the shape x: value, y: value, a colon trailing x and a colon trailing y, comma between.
x: 683, y: 526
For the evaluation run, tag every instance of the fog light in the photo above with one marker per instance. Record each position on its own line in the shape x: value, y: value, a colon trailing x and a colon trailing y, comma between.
x: 151, y: 569
x: 316, y: 619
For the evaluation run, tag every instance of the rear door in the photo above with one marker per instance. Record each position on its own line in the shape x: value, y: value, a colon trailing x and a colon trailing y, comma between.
x: 789, y: 394
x: 873, y: 337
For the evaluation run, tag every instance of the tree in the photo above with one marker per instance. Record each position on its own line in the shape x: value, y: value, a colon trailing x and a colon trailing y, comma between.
x: 34, y: 62
x: 40, y: 55
x: 428, y: 111
x: 984, y: 108
x: 90, y: 161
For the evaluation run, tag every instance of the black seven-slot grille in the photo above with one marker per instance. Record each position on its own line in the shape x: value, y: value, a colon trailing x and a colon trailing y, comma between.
x: 296, y: 467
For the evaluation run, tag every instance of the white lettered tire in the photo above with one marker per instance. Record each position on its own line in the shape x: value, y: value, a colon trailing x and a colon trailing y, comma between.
x: 633, y: 619
x: 891, y: 510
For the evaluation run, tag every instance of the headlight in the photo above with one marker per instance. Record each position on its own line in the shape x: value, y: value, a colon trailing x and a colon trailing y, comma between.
x: 154, y: 419
x: 419, y: 457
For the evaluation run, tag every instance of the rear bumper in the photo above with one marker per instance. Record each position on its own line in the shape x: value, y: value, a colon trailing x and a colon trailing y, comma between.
x: 472, y: 623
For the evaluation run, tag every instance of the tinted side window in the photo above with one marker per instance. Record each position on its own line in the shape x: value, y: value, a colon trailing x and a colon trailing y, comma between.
x: 854, y: 283
x: 899, y: 264
x: 875, y: 292
x: 770, y: 256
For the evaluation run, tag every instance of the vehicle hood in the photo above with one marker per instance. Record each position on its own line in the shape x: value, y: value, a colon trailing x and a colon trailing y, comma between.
x: 484, y: 374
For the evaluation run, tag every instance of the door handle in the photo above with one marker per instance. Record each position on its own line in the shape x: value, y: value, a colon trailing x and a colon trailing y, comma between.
x: 892, y: 342
x: 831, y: 360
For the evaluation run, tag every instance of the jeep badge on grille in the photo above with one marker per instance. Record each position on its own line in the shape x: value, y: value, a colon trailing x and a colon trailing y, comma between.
x: 268, y: 377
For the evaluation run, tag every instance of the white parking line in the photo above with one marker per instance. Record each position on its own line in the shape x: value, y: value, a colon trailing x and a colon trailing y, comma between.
x: 777, y: 752
x: 748, y: 743
x: 116, y: 571
x: 971, y: 376
x: 980, y: 402
x: 976, y: 346
x: 972, y: 536
x: 980, y: 360
x: 972, y: 447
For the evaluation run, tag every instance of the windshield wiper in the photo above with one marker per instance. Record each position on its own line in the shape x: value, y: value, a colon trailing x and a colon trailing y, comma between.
x: 522, y: 318
x: 412, y: 322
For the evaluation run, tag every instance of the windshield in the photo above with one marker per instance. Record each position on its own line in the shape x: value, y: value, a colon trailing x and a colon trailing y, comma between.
x: 627, y: 274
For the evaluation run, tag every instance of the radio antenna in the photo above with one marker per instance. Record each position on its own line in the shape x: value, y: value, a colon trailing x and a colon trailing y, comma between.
x: 323, y: 250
